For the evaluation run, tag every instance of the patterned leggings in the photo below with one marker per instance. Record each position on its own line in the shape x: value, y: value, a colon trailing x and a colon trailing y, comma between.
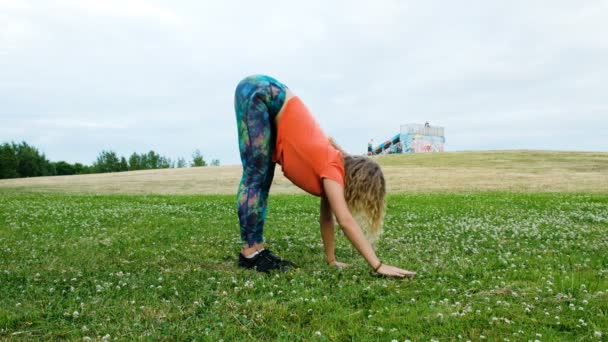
x: 257, y: 101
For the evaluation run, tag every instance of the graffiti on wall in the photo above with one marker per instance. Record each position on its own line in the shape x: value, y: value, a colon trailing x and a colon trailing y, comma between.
x: 413, y: 138
x: 419, y: 143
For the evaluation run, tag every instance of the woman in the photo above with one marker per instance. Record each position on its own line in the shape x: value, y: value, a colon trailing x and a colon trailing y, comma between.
x: 274, y: 126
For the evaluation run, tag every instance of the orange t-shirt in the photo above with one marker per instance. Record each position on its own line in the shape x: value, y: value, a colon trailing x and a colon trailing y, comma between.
x: 304, y: 151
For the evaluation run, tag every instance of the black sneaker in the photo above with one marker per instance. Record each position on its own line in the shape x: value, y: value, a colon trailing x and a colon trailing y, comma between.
x: 265, y: 261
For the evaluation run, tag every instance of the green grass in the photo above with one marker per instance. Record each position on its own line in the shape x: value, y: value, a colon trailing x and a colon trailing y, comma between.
x: 495, y: 266
x: 520, y: 160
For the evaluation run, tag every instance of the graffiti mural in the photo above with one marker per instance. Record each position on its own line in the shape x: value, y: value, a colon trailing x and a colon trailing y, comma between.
x: 418, y: 143
x: 413, y: 138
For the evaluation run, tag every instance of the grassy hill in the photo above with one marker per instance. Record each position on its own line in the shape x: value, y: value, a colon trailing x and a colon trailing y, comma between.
x: 527, y: 263
x: 521, y: 171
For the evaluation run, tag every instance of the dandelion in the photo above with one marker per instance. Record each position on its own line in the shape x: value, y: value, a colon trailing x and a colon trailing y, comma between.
x: 318, y: 333
x: 75, y: 314
x: 597, y: 334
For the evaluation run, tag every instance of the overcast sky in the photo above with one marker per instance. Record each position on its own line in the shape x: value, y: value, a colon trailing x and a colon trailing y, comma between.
x: 78, y: 76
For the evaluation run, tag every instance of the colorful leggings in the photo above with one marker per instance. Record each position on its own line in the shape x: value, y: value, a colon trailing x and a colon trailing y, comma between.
x: 257, y: 101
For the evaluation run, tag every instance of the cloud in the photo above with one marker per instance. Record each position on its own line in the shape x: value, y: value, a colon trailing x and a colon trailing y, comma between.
x: 127, y: 9
x: 364, y: 68
x: 81, y: 124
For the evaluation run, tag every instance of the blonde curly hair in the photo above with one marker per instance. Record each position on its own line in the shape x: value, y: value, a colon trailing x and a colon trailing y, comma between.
x: 364, y: 192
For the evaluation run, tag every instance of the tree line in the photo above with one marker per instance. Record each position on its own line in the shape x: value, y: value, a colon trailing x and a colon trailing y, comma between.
x: 23, y: 160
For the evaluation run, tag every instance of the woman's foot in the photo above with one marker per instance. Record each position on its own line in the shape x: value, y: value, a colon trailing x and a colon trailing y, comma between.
x: 264, y: 261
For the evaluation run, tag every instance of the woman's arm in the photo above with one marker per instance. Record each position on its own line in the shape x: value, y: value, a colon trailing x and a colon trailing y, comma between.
x: 328, y: 233
x: 350, y: 227
x: 326, y: 221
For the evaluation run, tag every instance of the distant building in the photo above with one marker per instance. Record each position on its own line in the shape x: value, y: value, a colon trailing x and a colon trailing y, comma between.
x: 413, y: 138
x: 422, y: 138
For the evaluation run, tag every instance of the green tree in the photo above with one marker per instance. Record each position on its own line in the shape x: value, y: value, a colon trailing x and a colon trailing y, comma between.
x: 107, y: 161
x: 64, y: 168
x: 124, y: 166
x: 47, y: 167
x: 181, y: 163
x: 197, y: 159
x: 215, y: 162
x: 81, y: 169
x: 152, y: 160
x: 164, y: 163
x: 135, y: 162
x: 8, y: 161
x: 28, y: 159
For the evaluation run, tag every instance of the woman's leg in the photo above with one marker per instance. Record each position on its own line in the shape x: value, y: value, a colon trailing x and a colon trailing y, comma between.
x: 258, y: 99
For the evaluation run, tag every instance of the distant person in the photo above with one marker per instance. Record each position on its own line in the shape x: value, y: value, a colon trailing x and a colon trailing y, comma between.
x: 274, y: 126
x: 370, y: 147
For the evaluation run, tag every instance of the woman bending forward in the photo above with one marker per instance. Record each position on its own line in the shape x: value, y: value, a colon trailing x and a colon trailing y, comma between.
x: 274, y: 126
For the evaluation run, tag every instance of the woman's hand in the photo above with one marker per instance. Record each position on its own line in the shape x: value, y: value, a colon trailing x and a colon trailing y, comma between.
x: 337, y: 264
x: 336, y: 203
x: 392, y: 271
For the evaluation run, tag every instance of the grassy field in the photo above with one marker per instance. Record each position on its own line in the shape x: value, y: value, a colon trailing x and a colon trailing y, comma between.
x: 497, y: 266
x: 521, y: 171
